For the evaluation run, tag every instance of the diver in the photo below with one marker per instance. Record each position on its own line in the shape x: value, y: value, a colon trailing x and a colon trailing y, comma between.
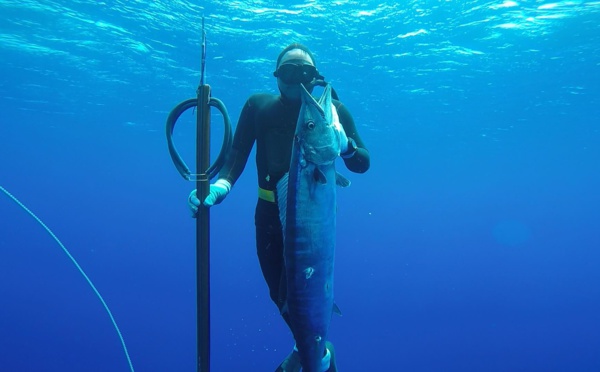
x: 270, y: 121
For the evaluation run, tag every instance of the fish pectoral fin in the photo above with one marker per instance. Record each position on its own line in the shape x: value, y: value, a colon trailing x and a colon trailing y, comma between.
x: 336, y: 309
x: 341, y: 180
x: 320, y: 176
x: 284, y: 309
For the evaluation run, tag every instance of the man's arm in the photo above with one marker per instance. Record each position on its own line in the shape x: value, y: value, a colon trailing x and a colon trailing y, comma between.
x: 360, y: 161
x: 243, y: 140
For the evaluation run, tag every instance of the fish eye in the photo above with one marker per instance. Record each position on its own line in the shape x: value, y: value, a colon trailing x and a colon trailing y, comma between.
x: 310, y: 125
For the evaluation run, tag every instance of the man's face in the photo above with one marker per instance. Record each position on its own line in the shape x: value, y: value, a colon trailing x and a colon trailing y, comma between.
x: 295, y: 57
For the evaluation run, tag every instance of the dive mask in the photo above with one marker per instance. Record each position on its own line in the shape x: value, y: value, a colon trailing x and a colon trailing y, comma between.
x: 296, y: 72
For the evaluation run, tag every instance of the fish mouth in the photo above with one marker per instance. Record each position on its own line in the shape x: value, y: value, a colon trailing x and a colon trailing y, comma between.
x: 321, y: 155
x: 321, y: 150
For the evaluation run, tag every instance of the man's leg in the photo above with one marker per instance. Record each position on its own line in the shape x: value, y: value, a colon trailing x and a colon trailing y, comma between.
x: 269, y: 249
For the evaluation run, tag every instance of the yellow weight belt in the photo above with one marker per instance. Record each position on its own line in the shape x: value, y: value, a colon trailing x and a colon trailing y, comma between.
x: 267, y: 195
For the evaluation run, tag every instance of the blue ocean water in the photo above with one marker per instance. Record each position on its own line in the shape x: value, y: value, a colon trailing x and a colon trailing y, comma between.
x: 472, y: 244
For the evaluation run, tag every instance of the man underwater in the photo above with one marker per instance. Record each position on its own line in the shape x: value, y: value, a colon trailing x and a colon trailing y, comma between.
x: 270, y: 121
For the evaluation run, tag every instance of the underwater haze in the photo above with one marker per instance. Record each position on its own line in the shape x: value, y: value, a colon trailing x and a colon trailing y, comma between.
x: 472, y: 243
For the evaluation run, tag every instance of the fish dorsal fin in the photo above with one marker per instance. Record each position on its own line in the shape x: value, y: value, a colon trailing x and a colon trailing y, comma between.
x: 282, y: 196
x: 336, y: 309
x: 341, y: 181
x: 320, y: 176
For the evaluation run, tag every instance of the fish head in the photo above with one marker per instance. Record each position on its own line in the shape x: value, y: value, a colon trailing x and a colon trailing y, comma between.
x: 318, y: 128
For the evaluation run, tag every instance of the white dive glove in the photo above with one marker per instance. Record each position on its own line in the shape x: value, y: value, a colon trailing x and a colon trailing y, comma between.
x: 217, y: 192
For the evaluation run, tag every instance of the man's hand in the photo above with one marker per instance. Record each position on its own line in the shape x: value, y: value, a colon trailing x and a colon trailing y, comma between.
x: 217, y: 192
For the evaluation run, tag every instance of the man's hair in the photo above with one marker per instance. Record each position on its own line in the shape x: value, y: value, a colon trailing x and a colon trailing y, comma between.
x: 292, y: 47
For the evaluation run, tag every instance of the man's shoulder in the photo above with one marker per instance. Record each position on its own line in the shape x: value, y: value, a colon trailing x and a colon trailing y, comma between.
x: 263, y: 99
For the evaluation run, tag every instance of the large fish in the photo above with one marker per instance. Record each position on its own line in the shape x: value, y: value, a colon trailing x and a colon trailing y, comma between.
x: 307, y: 205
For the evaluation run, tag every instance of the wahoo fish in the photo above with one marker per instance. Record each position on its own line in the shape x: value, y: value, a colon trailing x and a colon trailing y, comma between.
x: 307, y: 208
